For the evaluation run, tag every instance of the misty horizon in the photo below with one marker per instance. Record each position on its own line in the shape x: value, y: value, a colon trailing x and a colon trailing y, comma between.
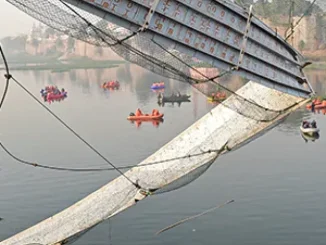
x: 13, y: 21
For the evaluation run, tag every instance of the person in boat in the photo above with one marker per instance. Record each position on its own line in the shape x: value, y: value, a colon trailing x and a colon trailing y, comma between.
x: 138, y: 113
x: 305, y: 124
x: 160, y: 96
x: 313, y: 106
x: 178, y: 94
x: 313, y: 124
x: 155, y: 112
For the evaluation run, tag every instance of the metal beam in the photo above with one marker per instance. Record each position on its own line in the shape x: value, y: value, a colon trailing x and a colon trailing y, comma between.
x: 215, y: 39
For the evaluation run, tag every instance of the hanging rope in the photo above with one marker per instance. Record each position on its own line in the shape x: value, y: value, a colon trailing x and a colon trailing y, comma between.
x: 8, y: 77
x: 193, y: 217
x: 300, y: 19
x: 136, y: 49
x: 34, y: 164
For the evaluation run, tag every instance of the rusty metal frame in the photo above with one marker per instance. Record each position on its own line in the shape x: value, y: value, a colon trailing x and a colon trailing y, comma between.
x: 149, y: 16
x: 245, y: 38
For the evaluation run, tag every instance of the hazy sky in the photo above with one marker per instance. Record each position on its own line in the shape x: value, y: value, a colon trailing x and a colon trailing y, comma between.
x: 13, y: 21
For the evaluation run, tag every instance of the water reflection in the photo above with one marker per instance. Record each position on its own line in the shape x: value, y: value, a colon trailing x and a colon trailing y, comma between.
x: 317, y: 78
x: 312, y: 138
x: 156, y: 123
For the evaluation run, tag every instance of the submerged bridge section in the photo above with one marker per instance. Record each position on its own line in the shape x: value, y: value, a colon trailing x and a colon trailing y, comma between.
x: 217, y: 32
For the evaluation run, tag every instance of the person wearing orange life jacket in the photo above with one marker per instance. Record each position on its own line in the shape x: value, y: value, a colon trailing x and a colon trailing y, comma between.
x: 138, y: 113
x: 155, y: 112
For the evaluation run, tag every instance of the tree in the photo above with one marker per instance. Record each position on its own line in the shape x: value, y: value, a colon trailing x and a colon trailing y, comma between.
x: 49, y: 32
x: 99, y: 51
x: 302, y: 45
x: 59, y: 44
x: 51, y: 51
x: 35, y: 43
x: 70, y: 43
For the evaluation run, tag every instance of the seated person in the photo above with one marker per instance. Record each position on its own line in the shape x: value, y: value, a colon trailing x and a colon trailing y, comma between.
x: 155, y: 112
x: 138, y: 112
x: 305, y: 124
x: 313, y: 124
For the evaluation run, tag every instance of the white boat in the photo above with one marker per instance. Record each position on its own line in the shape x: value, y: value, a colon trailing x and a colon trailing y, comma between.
x: 308, y: 137
x: 310, y: 131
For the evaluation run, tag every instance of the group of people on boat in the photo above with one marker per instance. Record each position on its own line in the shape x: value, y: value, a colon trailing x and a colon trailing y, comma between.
x: 139, y: 113
x: 111, y: 84
x: 306, y: 124
x: 219, y: 96
x: 53, y: 92
x: 158, y: 85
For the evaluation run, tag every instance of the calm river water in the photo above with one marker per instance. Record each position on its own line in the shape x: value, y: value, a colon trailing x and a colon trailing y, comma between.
x: 278, y: 181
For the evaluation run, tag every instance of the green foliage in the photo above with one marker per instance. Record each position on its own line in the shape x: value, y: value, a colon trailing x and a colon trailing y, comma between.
x: 59, y: 43
x: 99, y: 51
x: 71, y: 43
x: 275, y: 8
x: 49, y: 32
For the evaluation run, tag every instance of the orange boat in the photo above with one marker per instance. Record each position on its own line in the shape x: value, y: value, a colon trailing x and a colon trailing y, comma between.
x: 322, y: 105
x: 219, y: 96
x: 146, y: 117
x: 111, y: 85
x: 140, y: 116
x: 316, y: 102
x: 155, y: 122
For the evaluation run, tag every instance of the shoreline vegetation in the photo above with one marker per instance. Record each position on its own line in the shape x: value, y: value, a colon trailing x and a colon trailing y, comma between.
x: 23, y: 62
x: 30, y: 63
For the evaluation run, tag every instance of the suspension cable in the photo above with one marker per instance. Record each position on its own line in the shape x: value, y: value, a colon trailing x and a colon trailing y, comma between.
x: 34, y: 164
x: 300, y: 19
x: 7, y: 76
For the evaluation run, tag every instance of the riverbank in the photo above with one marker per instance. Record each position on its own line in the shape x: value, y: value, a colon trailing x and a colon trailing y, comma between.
x: 59, y: 65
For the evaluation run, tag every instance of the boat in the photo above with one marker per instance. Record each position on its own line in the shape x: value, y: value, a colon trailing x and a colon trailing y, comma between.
x: 308, y: 137
x: 160, y: 85
x: 249, y: 112
x: 219, y: 96
x: 316, y: 102
x: 155, y: 122
x: 111, y: 85
x: 322, y: 105
x: 52, y: 96
x: 173, y: 98
x: 51, y: 93
x: 309, y: 131
x: 145, y: 117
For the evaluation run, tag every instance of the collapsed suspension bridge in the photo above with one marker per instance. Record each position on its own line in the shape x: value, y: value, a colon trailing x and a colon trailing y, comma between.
x: 163, y: 36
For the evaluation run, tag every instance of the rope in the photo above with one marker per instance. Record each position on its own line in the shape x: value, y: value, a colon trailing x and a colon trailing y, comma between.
x: 34, y: 164
x: 73, y: 131
x: 232, y: 92
x: 193, y: 217
x: 176, y: 71
x: 8, y: 76
x: 298, y: 22
x: 171, y: 68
